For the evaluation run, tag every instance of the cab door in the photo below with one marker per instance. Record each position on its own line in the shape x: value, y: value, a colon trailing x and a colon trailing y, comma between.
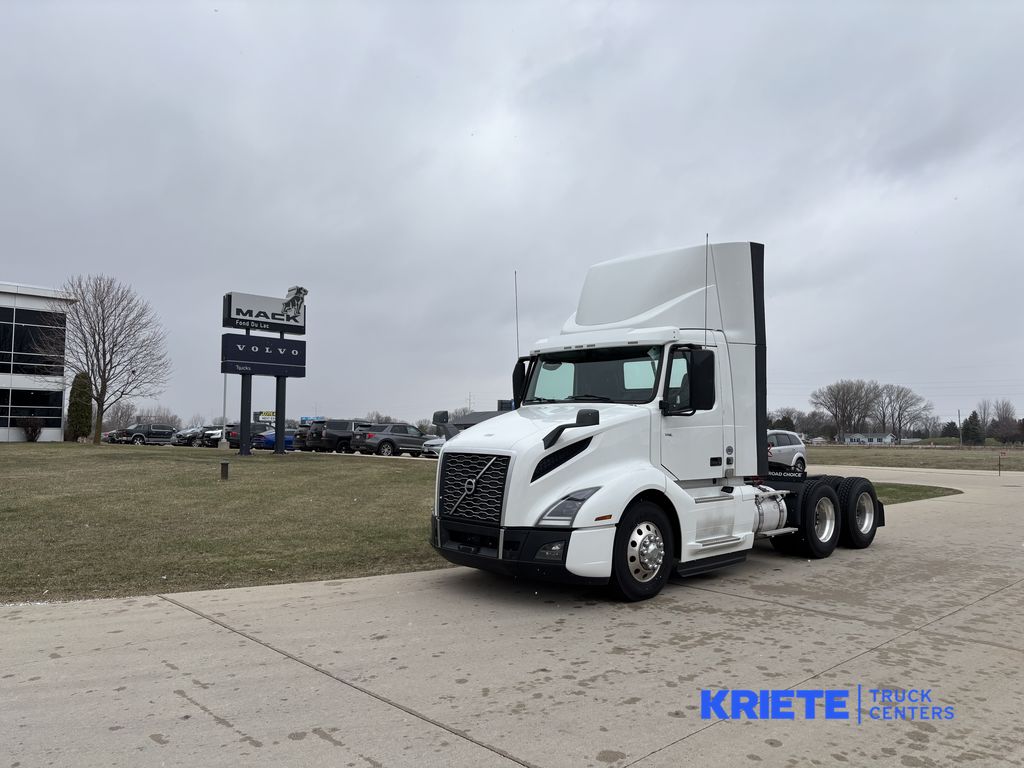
x: 692, y: 433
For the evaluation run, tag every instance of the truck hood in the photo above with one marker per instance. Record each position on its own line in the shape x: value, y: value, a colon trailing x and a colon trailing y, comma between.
x: 516, y: 430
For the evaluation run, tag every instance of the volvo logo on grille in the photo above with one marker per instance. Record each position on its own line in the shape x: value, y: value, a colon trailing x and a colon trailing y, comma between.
x: 470, y: 486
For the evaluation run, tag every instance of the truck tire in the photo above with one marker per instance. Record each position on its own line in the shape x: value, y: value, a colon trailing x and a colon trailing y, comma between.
x: 642, y: 556
x: 859, y: 506
x: 820, y: 520
x: 833, y: 481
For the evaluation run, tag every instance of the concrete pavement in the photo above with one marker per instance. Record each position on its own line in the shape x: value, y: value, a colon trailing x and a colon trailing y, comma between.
x: 456, y: 667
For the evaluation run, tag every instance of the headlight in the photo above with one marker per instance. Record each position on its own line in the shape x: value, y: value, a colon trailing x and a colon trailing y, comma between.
x: 563, y: 511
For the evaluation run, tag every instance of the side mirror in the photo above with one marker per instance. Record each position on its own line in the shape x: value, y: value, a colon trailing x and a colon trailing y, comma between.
x: 588, y: 417
x: 519, y: 382
x: 440, y: 417
x: 702, y: 379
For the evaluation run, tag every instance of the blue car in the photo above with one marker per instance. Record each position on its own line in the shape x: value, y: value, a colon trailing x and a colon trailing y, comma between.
x: 266, y: 440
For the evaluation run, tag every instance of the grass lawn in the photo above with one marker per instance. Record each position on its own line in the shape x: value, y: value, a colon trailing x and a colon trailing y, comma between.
x: 79, y: 521
x: 100, y: 521
x: 897, y: 493
x: 910, y: 456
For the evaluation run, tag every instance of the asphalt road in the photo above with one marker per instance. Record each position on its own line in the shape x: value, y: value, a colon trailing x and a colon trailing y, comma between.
x: 459, y: 668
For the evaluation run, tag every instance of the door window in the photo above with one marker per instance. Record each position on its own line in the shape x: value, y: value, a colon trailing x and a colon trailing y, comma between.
x: 678, y: 392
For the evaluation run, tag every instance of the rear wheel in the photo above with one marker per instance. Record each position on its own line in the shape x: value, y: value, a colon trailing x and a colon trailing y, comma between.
x: 138, y: 440
x: 820, y: 520
x: 642, y: 555
x: 386, y: 449
x: 197, y: 442
x: 858, y: 503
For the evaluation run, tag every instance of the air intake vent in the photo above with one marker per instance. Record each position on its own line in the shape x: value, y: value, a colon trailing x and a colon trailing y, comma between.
x: 554, y: 460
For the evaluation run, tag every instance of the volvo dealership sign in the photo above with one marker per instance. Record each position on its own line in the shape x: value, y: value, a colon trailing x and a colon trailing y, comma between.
x: 262, y: 356
x: 251, y: 355
x: 267, y: 313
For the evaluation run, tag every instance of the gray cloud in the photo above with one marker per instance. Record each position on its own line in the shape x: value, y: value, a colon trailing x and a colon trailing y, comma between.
x: 402, y: 159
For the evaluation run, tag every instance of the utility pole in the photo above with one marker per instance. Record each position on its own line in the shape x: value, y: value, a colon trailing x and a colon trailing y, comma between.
x: 960, y: 426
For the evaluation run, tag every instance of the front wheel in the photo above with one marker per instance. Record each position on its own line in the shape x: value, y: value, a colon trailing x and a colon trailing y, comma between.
x: 642, y: 558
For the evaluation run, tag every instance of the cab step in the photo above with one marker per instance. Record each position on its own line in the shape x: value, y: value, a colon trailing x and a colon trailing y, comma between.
x: 776, y: 532
x: 718, y: 541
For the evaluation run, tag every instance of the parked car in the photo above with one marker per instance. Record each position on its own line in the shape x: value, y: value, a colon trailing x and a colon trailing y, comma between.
x: 301, y: 435
x: 334, y: 434
x: 389, y: 440
x: 432, y: 448
x: 212, y: 435
x: 787, y: 449
x: 193, y: 436
x: 109, y: 436
x: 255, y: 428
x: 266, y: 439
x: 145, y: 434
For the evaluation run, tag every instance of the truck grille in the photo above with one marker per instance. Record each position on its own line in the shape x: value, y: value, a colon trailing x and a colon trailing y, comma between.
x: 472, y: 486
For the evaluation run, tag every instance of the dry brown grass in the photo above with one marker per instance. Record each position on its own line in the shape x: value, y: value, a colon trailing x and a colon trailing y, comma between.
x: 99, y: 521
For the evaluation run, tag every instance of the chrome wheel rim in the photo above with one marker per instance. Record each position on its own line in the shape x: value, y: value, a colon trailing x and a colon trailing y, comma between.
x: 824, y: 519
x: 645, y: 551
x: 864, y: 514
x: 385, y: 450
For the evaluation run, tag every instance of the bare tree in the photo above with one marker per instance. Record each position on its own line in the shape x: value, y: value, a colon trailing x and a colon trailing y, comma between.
x: 115, y: 337
x: 376, y: 417
x: 849, y: 402
x: 159, y: 414
x: 984, y: 410
x: 882, y: 412
x: 196, y: 420
x: 120, y: 415
x: 1005, y: 427
x: 930, y: 425
x: 908, y: 408
x: 425, y: 426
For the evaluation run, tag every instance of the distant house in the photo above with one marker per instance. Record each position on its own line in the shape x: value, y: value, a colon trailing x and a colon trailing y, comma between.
x: 870, y: 438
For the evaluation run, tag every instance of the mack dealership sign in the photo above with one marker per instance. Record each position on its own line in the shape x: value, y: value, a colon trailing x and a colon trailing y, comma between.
x: 267, y: 313
x: 262, y: 355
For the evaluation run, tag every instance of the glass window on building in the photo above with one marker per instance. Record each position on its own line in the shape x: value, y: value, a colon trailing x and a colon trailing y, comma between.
x: 47, y: 405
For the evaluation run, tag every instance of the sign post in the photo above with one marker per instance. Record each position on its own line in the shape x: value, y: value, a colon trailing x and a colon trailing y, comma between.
x: 250, y: 355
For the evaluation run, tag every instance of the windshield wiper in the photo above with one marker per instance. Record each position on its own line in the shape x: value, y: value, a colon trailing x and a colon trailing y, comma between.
x: 595, y: 398
x: 540, y: 400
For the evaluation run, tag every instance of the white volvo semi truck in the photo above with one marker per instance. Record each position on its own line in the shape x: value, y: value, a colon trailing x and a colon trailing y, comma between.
x: 639, y: 442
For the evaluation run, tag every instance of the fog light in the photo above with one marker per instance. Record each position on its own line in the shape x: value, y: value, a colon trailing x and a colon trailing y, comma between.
x: 553, y: 551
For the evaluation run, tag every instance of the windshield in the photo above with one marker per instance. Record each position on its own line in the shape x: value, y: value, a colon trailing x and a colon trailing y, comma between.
x: 615, y: 375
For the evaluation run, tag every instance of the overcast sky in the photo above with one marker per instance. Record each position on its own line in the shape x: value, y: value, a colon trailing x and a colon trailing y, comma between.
x: 401, y: 160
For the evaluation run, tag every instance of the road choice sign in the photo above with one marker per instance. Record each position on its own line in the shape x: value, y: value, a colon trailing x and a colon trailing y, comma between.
x: 259, y: 355
x: 267, y: 313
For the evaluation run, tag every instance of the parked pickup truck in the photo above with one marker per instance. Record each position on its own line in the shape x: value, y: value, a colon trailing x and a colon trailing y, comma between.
x: 145, y: 434
x: 389, y: 440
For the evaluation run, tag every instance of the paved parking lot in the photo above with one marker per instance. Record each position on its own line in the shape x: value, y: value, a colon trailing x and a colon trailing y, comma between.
x: 459, y: 668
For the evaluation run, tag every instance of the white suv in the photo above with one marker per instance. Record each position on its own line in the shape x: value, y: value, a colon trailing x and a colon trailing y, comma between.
x: 787, y: 448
